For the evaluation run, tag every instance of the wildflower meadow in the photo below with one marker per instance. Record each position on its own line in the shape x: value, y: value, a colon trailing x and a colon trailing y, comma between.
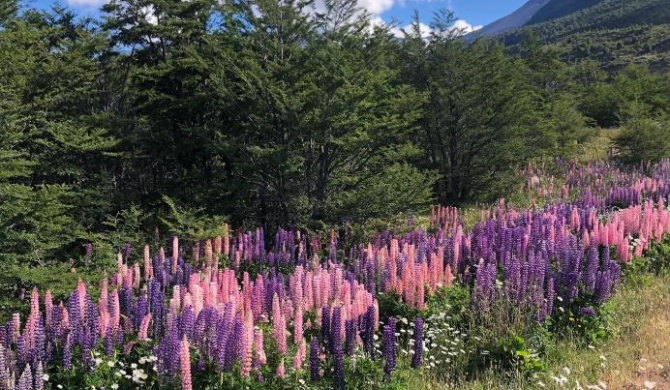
x: 453, y: 294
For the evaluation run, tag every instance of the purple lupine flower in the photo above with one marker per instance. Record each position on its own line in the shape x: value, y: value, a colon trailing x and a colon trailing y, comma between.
x: 233, y: 345
x: 25, y: 380
x: 38, y: 377
x: 369, y: 331
x: 589, y: 274
x: 314, y: 362
x: 325, y: 327
x: 4, y: 377
x: 109, y: 341
x: 418, y: 343
x: 187, y: 323
x: 67, y: 352
x: 336, y: 329
x: 21, y: 353
x: 389, y: 348
x: 126, y: 301
x: 350, y: 330
x: 141, y: 309
x: 223, y: 333
x: 587, y: 312
x: 40, y: 342
x: 339, y: 367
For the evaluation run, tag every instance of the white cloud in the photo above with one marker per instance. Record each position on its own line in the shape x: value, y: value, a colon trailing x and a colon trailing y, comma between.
x: 465, y: 27
x: 376, y: 7
x: 150, y: 14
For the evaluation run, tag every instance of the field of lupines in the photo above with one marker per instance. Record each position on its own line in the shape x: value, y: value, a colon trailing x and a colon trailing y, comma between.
x: 238, y: 313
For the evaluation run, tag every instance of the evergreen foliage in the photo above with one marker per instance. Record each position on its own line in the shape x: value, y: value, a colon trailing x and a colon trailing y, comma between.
x: 278, y: 114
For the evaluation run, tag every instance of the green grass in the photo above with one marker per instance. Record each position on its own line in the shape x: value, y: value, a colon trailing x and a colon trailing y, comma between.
x: 638, y: 351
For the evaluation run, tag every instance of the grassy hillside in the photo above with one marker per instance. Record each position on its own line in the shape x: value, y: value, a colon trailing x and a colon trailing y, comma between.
x: 613, y: 32
x: 558, y: 8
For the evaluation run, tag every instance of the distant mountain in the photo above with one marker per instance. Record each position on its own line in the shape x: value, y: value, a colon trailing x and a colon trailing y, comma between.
x: 555, y: 9
x: 518, y: 18
x: 613, y: 32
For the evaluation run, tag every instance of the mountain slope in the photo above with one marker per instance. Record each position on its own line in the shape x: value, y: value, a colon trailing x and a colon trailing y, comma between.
x: 559, y: 8
x: 613, y: 32
x: 514, y: 20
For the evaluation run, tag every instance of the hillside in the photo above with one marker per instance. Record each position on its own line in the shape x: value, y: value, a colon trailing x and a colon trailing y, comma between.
x: 613, y: 32
x: 559, y: 8
x: 517, y: 19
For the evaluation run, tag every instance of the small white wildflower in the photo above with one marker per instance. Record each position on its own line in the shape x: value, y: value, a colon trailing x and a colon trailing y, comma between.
x: 59, y: 386
x: 114, y: 386
x: 45, y: 377
x: 591, y: 347
x: 98, y: 361
x: 566, y: 370
x: 110, y: 364
x: 560, y: 380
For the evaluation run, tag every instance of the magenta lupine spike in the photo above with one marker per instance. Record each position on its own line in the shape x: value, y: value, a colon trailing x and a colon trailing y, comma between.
x: 143, y: 333
x: 278, y: 326
x: 209, y: 255
x: 281, y: 370
x: 299, y: 356
x: 115, y: 310
x: 148, y: 267
x: 247, y: 346
x: 259, y: 352
x: 48, y: 307
x: 185, y: 364
x: 297, y: 326
x: 175, y: 254
x: 137, y: 276
x: 16, y: 326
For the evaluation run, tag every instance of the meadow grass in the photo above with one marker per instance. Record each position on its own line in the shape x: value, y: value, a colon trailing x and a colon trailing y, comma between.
x: 636, y: 356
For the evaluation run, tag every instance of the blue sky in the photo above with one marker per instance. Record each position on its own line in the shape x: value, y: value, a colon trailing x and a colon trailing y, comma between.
x: 472, y: 13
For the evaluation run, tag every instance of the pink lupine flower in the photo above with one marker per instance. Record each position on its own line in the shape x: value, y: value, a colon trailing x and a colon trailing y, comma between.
x: 247, y: 342
x: 185, y: 362
x: 48, y: 306
x: 448, y: 276
x: 261, y: 359
x: 175, y: 254
x: 297, y: 326
x: 281, y: 370
x: 148, y: 268
x: 143, y: 333
x: 209, y: 255
x: 115, y: 314
x: 278, y: 326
